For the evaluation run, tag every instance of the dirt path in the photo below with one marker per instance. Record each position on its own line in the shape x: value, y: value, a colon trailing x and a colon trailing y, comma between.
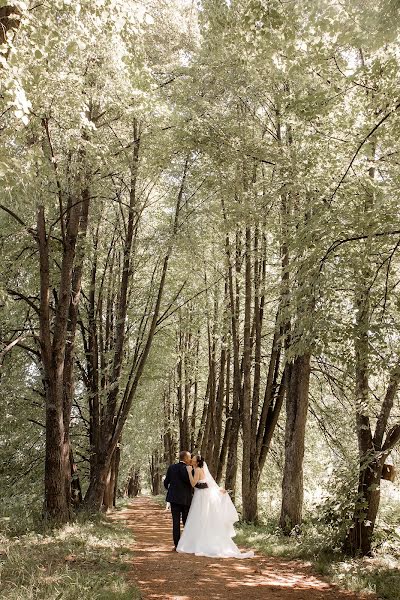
x: 165, y: 575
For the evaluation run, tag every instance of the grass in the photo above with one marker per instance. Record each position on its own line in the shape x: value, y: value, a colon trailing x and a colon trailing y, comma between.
x: 85, y: 560
x: 317, y: 544
x: 160, y: 500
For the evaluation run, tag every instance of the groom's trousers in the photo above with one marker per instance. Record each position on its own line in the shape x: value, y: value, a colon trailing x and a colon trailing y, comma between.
x: 178, y: 511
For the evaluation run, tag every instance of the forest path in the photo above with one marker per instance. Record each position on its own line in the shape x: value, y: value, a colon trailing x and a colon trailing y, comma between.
x: 165, y: 575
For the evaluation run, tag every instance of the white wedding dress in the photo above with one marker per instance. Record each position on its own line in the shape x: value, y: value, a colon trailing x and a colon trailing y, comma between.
x: 209, y: 526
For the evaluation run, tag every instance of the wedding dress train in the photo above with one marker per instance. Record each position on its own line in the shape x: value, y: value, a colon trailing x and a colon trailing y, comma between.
x: 209, y: 526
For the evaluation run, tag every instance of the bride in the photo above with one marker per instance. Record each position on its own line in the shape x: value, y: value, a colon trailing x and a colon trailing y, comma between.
x: 209, y: 527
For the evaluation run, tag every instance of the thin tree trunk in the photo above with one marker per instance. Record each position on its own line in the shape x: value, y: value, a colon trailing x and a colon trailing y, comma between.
x: 228, y: 422
x: 76, y: 490
x: 234, y: 303
x: 133, y: 486
x: 249, y: 498
x: 219, y: 410
x: 68, y: 381
x: 155, y: 474
x: 193, y: 418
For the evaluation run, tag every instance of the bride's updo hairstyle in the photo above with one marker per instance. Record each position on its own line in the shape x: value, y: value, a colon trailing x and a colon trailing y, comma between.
x: 200, y: 460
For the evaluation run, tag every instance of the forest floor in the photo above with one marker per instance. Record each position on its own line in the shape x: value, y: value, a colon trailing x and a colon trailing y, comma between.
x: 88, y: 559
x: 162, y: 574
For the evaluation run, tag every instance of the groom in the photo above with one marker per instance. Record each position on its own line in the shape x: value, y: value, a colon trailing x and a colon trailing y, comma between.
x: 179, y: 493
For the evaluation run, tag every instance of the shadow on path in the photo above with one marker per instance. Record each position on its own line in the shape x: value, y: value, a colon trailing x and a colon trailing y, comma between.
x: 165, y: 575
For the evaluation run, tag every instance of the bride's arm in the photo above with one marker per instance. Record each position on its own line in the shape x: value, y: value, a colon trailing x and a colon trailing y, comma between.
x: 193, y: 480
x: 189, y: 470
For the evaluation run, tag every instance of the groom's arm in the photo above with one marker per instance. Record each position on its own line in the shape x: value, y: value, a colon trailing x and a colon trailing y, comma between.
x: 167, y: 479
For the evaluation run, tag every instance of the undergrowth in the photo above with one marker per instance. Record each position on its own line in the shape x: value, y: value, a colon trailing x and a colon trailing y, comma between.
x: 86, y: 560
x: 320, y: 544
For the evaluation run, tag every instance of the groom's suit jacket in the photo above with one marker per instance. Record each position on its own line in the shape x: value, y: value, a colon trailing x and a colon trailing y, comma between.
x: 178, y: 484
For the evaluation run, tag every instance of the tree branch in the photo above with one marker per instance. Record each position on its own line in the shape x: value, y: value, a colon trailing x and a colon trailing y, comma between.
x: 25, y: 299
x: 14, y: 216
x: 392, y: 438
x: 354, y: 238
x: 361, y: 144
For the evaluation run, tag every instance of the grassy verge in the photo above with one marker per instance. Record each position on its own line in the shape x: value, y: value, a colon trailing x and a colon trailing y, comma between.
x: 160, y: 500
x: 380, y: 574
x: 85, y: 560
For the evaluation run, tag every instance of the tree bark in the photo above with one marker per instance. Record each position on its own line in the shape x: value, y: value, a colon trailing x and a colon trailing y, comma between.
x: 76, y: 490
x: 133, y: 486
x: 53, y: 352
x: 155, y: 474
x: 298, y: 374
x: 228, y: 422
x: 68, y: 374
x: 249, y: 494
x: 234, y: 305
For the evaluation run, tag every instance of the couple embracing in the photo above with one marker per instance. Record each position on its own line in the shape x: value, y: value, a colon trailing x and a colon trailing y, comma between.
x: 207, y: 511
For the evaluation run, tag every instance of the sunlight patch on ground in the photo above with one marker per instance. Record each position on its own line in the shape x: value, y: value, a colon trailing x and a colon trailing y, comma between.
x: 168, y: 597
x: 293, y: 582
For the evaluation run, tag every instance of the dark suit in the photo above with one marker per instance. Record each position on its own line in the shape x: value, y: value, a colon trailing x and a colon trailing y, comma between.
x: 179, y: 495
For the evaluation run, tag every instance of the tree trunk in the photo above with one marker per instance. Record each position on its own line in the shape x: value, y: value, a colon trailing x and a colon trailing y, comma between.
x: 249, y: 493
x: 359, y: 538
x: 219, y: 409
x: 228, y: 421
x: 133, y: 487
x: 170, y: 449
x: 209, y: 429
x: 56, y: 507
x: 193, y: 419
x: 57, y: 336
x: 53, y: 351
x: 69, y: 358
x: 234, y: 305
x: 76, y: 490
x: 116, y: 473
x: 110, y: 492
x: 109, y: 489
x: 232, y: 458
x: 99, y: 473
x: 155, y: 474
x: 298, y: 373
